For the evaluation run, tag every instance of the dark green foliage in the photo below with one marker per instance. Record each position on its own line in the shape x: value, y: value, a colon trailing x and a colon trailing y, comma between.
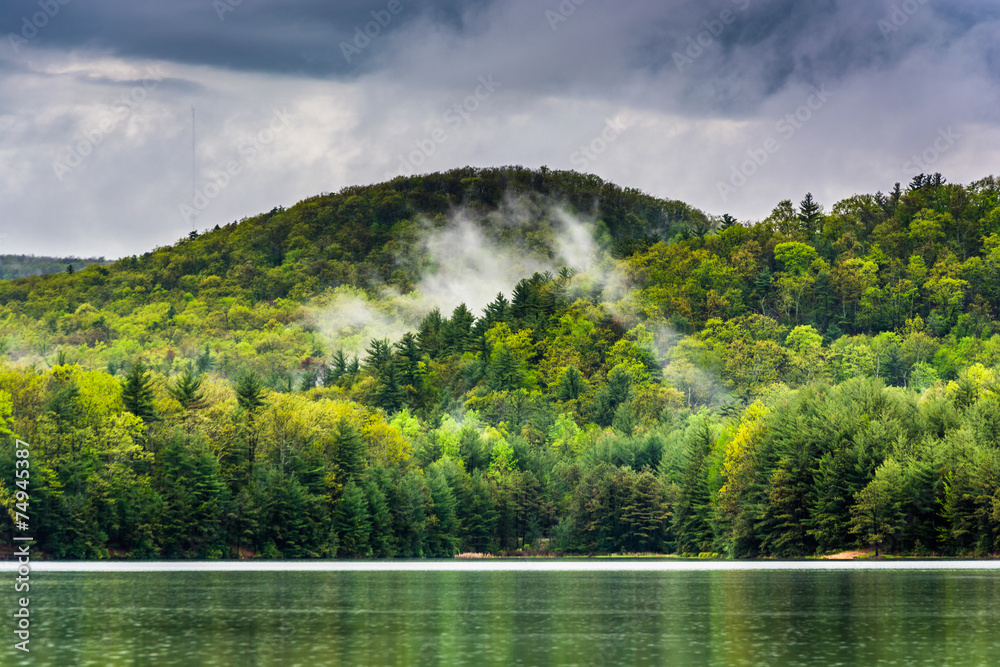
x: 349, y: 450
x: 618, y: 510
x: 614, y: 394
x: 570, y: 386
x: 137, y: 392
x: 390, y: 394
x: 194, y: 497
x: 187, y: 390
x: 249, y: 392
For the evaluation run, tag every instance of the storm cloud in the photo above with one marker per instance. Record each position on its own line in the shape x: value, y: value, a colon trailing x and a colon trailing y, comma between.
x: 729, y: 105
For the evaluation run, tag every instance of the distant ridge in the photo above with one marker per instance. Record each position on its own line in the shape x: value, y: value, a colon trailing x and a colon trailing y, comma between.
x: 20, y: 266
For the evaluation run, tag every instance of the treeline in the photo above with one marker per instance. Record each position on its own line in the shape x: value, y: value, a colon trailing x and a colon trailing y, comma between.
x: 809, y: 383
x: 816, y: 469
x: 20, y: 266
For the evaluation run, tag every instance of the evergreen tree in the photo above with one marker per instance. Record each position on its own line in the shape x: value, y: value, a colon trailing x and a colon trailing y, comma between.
x: 379, y: 355
x: 137, y: 392
x: 617, y: 390
x: 457, y: 334
x: 504, y: 371
x: 431, y: 334
x: 352, y: 523
x: 249, y: 392
x: 337, y: 368
x: 187, y: 390
x: 441, y: 524
x: 809, y: 213
x: 571, y: 385
x: 692, y: 511
x: 349, y: 450
x: 390, y: 394
x: 381, y: 539
x: 409, y: 360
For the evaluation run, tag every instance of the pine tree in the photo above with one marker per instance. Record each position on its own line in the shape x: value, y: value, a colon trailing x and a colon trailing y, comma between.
x: 504, y: 372
x: 430, y: 334
x: 250, y: 398
x: 458, y: 330
x: 409, y: 360
x: 571, y: 385
x: 186, y: 390
x: 691, y: 525
x: 379, y: 355
x: 390, y: 394
x: 249, y: 392
x: 349, y: 450
x: 616, y: 392
x: 352, y: 523
x: 381, y: 539
x: 809, y: 213
x: 137, y: 392
x: 442, y: 541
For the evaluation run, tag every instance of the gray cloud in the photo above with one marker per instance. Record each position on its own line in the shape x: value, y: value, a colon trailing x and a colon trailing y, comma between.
x: 898, y: 72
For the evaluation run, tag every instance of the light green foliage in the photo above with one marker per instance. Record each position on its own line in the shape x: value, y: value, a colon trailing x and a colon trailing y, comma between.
x: 297, y: 398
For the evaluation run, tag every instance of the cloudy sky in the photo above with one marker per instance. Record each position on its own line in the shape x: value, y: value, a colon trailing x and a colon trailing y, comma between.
x: 729, y: 105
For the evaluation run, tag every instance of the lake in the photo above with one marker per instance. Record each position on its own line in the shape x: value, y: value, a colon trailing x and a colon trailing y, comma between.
x: 591, y: 612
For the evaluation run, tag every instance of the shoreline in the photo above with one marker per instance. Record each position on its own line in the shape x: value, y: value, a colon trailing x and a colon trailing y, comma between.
x: 509, y: 564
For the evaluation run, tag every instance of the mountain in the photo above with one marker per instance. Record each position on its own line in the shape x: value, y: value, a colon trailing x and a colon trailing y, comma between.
x: 512, y: 359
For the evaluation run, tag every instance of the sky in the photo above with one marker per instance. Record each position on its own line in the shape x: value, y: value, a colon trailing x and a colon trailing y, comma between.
x: 728, y: 105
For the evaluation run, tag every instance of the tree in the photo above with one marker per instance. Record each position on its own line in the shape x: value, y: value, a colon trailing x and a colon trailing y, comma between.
x: 390, y: 395
x: 809, y: 213
x: 137, y: 392
x: 571, y: 385
x: 877, y: 512
x: 379, y: 355
x: 349, y: 450
x: 250, y: 399
x: 187, y: 390
x: 617, y: 390
x: 408, y: 349
x: 249, y: 392
x: 352, y: 523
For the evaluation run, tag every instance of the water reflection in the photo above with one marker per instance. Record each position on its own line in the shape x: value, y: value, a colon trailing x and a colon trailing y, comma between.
x: 729, y: 617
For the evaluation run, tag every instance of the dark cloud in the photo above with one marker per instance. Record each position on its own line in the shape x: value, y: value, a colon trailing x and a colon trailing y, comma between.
x: 291, y: 36
x: 898, y: 72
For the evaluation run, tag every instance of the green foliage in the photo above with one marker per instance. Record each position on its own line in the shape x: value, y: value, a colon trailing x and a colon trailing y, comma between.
x: 137, y: 392
x: 846, y: 366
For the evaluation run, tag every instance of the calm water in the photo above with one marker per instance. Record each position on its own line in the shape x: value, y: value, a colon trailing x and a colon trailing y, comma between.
x: 670, y: 616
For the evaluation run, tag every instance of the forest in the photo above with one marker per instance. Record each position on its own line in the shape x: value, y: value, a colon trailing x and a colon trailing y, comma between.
x: 280, y: 387
x: 19, y: 266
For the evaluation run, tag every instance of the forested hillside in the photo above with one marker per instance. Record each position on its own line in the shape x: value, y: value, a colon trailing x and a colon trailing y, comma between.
x: 657, y: 379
